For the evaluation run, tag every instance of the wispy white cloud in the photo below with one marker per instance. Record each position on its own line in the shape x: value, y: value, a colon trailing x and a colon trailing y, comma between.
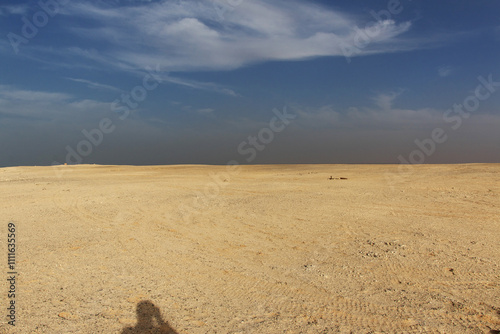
x: 181, y: 36
x: 12, y: 94
x: 384, y: 100
x: 95, y: 85
x: 46, y: 105
x: 380, y: 116
x: 188, y: 35
x: 207, y: 86
x: 445, y: 71
x: 13, y: 10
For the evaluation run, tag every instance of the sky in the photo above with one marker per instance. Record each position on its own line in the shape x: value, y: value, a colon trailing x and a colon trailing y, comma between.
x: 142, y: 82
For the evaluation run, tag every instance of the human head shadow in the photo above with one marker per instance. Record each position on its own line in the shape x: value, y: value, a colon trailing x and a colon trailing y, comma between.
x: 149, y: 321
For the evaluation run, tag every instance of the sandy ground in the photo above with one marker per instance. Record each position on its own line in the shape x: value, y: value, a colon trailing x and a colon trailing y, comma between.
x: 259, y: 249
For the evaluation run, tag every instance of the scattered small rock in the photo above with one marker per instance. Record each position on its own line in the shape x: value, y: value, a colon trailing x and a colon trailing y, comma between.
x: 66, y: 315
x: 199, y: 323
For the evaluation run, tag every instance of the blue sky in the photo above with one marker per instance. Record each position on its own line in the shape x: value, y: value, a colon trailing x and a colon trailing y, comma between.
x: 174, y: 82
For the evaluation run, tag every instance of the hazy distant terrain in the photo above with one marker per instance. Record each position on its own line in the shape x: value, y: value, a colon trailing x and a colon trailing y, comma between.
x: 258, y: 249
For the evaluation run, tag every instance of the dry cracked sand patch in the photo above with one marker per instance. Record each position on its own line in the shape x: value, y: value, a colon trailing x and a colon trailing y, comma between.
x: 270, y: 249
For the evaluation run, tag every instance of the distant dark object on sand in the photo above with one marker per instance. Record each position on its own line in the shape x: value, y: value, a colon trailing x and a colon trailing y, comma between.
x: 337, y: 178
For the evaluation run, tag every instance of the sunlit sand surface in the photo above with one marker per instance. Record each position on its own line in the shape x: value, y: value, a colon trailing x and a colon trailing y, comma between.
x: 260, y: 249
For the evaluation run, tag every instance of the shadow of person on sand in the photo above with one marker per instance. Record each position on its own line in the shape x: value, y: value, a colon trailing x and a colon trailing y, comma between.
x: 149, y: 321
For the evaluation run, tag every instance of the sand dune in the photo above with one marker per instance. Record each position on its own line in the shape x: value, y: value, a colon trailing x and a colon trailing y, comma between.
x: 258, y: 249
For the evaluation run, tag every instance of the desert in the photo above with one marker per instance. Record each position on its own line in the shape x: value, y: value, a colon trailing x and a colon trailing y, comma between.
x: 249, y: 167
x: 253, y: 249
